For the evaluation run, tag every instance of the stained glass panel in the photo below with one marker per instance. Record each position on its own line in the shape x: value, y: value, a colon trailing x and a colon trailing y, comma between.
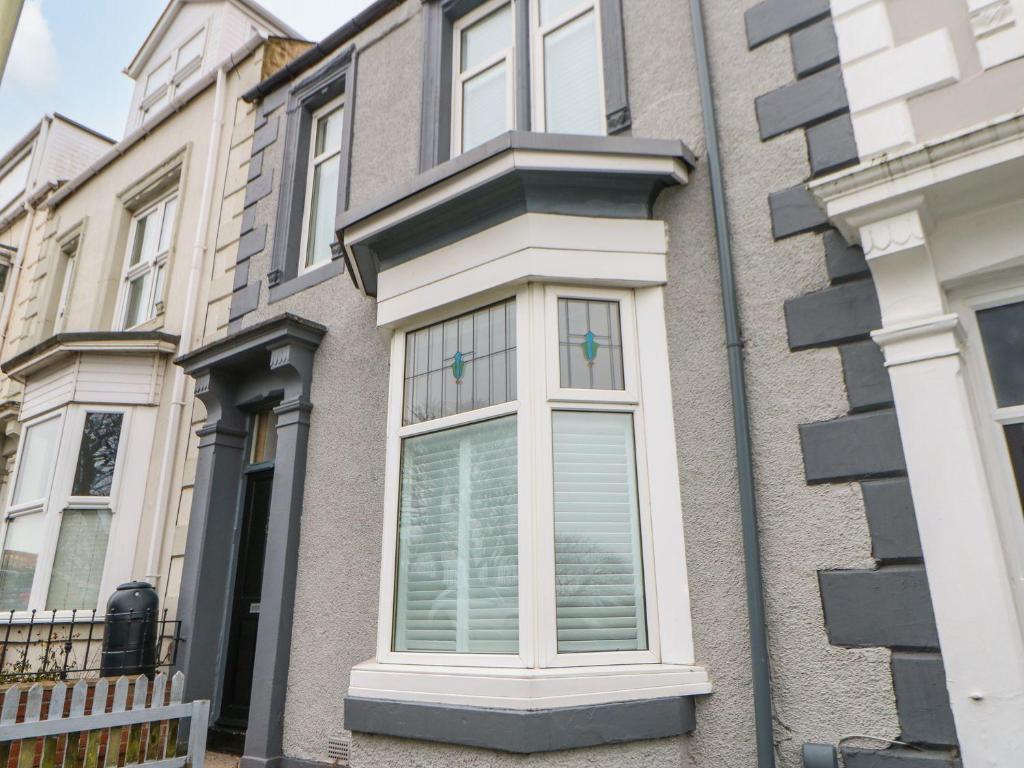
x: 590, y: 344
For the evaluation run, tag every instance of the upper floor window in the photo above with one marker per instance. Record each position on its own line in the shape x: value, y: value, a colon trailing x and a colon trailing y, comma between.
x: 571, y: 78
x: 175, y: 73
x: 322, y: 176
x: 149, y: 245
x: 59, y: 517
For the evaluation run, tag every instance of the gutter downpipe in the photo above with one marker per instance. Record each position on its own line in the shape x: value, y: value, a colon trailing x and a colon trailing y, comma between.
x: 759, y: 662
x: 187, y: 329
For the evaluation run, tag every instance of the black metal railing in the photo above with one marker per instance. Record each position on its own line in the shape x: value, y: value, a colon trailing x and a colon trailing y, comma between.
x: 62, y: 645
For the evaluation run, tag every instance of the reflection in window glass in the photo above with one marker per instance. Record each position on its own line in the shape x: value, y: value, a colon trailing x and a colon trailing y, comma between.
x: 78, y: 561
x: 572, y: 98
x: 1002, y: 332
x: 461, y: 364
x: 458, y: 555
x: 37, y: 459
x: 589, y: 344
x: 97, y: 454
x: 599, y: 586
x: 22, y: 542
x: 264, y: 437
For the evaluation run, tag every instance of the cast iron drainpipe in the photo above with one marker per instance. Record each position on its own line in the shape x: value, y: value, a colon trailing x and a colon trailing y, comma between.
x: 760, y: 670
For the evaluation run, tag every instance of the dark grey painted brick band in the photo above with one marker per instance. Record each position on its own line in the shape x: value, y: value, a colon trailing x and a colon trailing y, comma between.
x: 255, y: 166
x: 867, y: 380
x: 772, y: 18
x: 259, y: 188
x: 252, y: 242
x: 922, y: 700
x: 843, y: 261
x: 805, y: 102
x: 890, y: 511
x: 858, y: 446
x: 814, y: 47
x: 794, y: 211
x: 245, y: 300
x: 831, y: 145
x: 523, y: 731
x: 855, y: 757
x: 845, y: 312
x: 889, y: 607
x: 265, y: 136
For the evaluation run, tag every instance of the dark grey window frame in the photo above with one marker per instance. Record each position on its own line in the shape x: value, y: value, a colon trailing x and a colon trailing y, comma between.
x: 439, y: 17
x: 334, y: 79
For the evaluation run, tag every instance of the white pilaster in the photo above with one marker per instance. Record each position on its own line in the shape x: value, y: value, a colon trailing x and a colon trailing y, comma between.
x: 980, y: 636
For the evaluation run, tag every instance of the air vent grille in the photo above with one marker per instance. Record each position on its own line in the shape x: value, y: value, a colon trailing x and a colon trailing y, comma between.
x: 338, y: 748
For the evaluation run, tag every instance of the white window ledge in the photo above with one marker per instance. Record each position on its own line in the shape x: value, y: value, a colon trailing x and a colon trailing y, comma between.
x: 525, y: 689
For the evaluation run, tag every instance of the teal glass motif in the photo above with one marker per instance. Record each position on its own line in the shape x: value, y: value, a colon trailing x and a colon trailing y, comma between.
x: 458, y: 367
x: 590, y: 346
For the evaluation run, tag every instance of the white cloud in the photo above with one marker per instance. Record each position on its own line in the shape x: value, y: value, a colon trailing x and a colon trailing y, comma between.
x: 33, y: 61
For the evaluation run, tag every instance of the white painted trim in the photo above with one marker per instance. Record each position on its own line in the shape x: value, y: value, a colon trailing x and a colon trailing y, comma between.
x: 998, y: 27
x: 534, y: 689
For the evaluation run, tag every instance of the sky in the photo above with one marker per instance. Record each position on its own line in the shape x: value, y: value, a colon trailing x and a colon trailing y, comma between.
x: 68, y: 55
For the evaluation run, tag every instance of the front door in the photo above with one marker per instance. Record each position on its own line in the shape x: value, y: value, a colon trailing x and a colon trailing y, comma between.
x: 245, y: 604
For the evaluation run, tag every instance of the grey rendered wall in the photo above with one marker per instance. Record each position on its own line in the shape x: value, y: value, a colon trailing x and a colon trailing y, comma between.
x: 821, y: 691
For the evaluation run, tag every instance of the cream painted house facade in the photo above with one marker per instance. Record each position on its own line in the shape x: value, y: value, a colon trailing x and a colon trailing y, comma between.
x: 128, y: 262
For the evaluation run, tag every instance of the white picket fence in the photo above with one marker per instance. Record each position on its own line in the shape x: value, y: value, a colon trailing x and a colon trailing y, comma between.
x: 146, y: 733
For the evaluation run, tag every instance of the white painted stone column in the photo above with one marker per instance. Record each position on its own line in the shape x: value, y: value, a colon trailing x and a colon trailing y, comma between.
x: 977, y: 621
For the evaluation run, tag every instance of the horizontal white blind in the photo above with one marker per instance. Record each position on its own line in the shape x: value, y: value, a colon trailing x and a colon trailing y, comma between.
x: 458, y: 583
x: 599, y: 589
x: 572, y: 97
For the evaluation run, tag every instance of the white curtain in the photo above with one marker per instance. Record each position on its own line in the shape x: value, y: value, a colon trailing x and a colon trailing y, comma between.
x: 458, y: 583
x: 599, y: 587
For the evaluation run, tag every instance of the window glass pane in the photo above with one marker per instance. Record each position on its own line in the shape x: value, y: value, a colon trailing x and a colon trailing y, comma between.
x: 78, y: 561
x: 484, y: 106
x: 323, y: 206
x: 190, y: 51
x: 97, y: 454
x: 486, y: 38
x: 167, y: 225
x: 599, y: 586
x: 158, y: 77
x: 264, y: 437
x: 141, y: 240
x: 328, y: 133
x: 461, y: 364
x: 551, y: 10
x: 1002, y: 331
x: 187, y: 80
x: 589, y: 344
x: 137, y: 310
x: 458, y: 553
x: 37, y: 459
x: 572, y: 98
x: 18, y: 562
x: 4, y: 271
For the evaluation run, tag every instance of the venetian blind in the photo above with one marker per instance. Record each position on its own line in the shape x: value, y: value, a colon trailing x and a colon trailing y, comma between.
x: 599, y: 587
x: 458, y: 584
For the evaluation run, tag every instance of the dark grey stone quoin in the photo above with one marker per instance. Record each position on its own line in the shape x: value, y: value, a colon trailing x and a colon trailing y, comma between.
x: 891, y: 519
x: 814, y: 47
x: 867, y: 380
x: 843, y: 261
x: 252, y: 242
x: 922, y: 699
x: 520, y: 731
x: 245, y: 300
x: 831, y: 145
x: 794, y: 211
x: 259, y: 188
x: 771, y: 18
x: 805, y: 102
x: 845, y: 312
x: 862, y: 445
x: 265, y: 136
x: 897, y: 757
x: 889, y: 607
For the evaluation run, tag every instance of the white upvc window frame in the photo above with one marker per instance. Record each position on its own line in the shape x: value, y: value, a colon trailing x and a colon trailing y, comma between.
x: 71, y: 422
x: 178, y: 75
x: 69, y: 251
x: 990, y: 419
x: 158, y: 267
x: 313, y: 160
x: 538, y: 33
x: 459, y: 78
x: 536, y: 326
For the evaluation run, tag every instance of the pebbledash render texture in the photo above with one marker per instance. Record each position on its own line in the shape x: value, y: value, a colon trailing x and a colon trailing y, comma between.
x: 855, y: 664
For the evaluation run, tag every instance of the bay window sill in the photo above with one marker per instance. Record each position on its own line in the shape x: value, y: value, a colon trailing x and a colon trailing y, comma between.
x: 524, y: 710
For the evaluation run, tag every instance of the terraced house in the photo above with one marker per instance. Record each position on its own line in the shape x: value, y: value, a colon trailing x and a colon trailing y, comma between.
x: 121, y: 256
x: 578, y: 382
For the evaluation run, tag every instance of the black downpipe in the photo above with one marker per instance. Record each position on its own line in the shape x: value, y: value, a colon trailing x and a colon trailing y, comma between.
x: 760, y: 670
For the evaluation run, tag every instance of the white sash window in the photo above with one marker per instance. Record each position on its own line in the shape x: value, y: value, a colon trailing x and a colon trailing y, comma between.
x: 146, y: 262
